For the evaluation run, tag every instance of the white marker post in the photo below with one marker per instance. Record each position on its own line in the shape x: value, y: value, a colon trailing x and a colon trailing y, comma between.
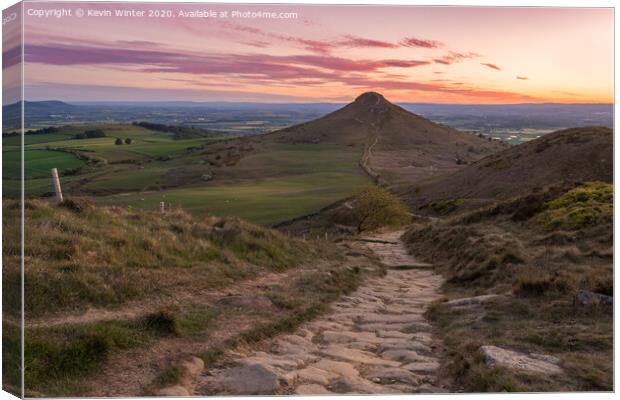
x: 56, y: 182
x: 162, y: 207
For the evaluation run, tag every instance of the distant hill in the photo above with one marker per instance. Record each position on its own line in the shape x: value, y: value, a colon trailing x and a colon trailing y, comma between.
x: 400, y: 146
x: 563, y: 157
x: 11, y: 119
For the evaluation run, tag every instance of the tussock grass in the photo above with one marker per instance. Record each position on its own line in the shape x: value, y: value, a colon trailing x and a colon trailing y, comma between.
x: 443, y: 207
x: 78, y: 255
x: 56, y: 358
x: 541, y: 250
x: 585, y: 205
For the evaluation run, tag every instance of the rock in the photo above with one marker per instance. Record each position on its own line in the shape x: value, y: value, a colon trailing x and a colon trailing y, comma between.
x: 533, y: 363
x: 416, y: 327
x: 424, y: 367
x: 193, y: 366
x: 310, y: 389
x: 394, y: 335
x: 405, y: 356
x: 314, y: 375
x: 586, y: 298
x: 271, y: 360
x: 391, y: 319
x: 175, y: 391
x: 207, y: 177
x: 418, y: 347
x: 428, y: 388
x: 390, y: 375
x: 471, y: 301
x: 250, y: 379
x: 337, y: 368
x: 356, y: 356
x: 348, y: 336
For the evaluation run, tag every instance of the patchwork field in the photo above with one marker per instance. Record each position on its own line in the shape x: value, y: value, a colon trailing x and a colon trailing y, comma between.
x: 263, y: 182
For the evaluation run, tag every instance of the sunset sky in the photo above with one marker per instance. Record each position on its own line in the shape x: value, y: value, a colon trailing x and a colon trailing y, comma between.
x: 329, y: 53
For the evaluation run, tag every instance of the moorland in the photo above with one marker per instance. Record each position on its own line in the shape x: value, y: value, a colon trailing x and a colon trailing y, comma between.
x: 261, y: 233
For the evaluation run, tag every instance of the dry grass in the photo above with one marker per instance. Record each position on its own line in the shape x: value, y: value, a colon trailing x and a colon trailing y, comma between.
x: 79, y: 256
x: 506, y: 248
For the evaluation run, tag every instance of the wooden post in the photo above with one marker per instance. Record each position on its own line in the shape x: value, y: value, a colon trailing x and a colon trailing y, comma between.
x: 162, y: 207
x: 56, y: 182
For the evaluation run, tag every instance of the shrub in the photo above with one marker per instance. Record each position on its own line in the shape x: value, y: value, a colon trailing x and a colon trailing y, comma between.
x: 586, y: 205
x: 443, y: 207
x: 375, y: 208
x: 128, y: 141
x: 95, y: 133
x: 118, y: 141
x: 163, y: 322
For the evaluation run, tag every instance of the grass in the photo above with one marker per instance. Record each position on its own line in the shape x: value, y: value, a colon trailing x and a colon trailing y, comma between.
x: 60, y: 360
x: 266, y: 201
x: 506, y: 249
x: 79, y: 255
x: 265, y: 183
x: 308, y: 297
x: 56, y: 358
x: 585, y: 205
x: 443, y: 207
x: 38, y: 163
x: 581, y: 338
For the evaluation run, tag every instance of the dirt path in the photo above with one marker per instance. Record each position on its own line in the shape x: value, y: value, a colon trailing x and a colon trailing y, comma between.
x: 376, y: 340
x: 130, y: 373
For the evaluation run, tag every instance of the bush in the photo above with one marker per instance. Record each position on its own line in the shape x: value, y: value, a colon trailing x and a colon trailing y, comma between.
x: 118, y: 141
x: 163, y: 322
x: 443, y: 207
x: 128, y: 141
x: 586, y: 205
x: 375, y: 208
x: 95, y: 133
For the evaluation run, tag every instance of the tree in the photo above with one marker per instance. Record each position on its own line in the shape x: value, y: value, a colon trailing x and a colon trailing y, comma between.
x: 128, y: 141
x: 375, y: 207
x: 118, y: 141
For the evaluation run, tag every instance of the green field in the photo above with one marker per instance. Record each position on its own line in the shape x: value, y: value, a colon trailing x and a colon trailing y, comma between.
x: 37, y: 163
x: 264, y: 202
x: 268, y: 183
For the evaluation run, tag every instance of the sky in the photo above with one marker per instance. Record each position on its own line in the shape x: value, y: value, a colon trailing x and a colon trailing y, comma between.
x: 323, y: 54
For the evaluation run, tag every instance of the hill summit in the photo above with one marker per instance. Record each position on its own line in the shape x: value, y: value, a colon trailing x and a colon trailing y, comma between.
x: 397, y: 146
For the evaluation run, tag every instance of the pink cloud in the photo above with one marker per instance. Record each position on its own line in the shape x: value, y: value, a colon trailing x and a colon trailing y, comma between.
x: 522, y: 78
x: 424, y: 43
x: 493, y: 66
x: 454, y: 57
x: 355, y: 41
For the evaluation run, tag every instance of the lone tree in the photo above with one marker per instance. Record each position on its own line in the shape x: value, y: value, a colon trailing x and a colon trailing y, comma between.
x: 375, y: 208
x: 118, y: 141
x: 128, y: 141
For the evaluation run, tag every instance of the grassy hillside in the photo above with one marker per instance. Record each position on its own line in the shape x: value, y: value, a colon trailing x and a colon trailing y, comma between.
x: 144, y: 278
x: 258, y: 180
x: 566, y: 156
x: 80, y: 255
x: 399, y: 146
x: 536, y: 251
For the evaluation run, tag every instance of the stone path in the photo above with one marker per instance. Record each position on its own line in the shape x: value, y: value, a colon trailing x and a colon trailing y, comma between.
x: 376, y: 340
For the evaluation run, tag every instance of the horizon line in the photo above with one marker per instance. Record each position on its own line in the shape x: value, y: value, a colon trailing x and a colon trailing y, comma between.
x: 78, y: 102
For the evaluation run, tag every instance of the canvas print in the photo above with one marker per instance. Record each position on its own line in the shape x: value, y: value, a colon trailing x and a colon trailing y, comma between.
x: 206, y: 199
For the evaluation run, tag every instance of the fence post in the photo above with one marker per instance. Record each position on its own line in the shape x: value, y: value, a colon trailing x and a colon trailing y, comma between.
x: 56, y: 182
x: 162, y: 207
